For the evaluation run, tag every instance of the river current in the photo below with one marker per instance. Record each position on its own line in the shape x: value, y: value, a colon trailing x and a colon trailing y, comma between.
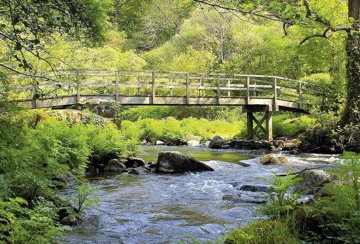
x: 156, y: 208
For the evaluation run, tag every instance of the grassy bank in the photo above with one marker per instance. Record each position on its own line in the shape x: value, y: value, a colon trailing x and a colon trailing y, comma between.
x: 177, y: 131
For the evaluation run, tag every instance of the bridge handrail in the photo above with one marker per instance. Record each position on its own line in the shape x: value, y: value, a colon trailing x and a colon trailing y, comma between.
x: 54, y: 74
x: 82, y: 80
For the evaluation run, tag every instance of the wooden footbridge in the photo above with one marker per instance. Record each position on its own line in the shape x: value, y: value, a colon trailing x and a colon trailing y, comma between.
x: 256, y: 93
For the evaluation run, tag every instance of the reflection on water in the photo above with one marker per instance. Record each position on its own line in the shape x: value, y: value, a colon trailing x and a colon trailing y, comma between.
x: 151, y: 208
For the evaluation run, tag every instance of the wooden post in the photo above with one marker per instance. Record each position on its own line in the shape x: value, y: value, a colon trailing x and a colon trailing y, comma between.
x: 171, y: 86
x: 153, y: 91
x: 200, y: 87
x: 218, y: 90
x: 33, y: 96
x: 254, y: 92
x: 187, y: 88
x: 275, y: 95
x: 139, y: 85
x: 248, y: 89
x: 116, y: 85
x: 300, y: 94
x: 228, y: 84
x: 78, y: 84
x: 250, y: 126
x: 269, y: 130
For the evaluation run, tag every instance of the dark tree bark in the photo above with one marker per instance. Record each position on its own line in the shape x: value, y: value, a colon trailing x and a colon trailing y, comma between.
x: 352, y: 108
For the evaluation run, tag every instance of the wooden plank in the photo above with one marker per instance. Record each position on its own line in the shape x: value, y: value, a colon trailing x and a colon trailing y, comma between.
x: 250, y: 126
x: 248, y: 89
x: 187, y: 88
x: 153, y: 92
x: 269, y: 128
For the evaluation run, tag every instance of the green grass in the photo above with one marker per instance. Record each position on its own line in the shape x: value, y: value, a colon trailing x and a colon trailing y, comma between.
x: 173, y: 130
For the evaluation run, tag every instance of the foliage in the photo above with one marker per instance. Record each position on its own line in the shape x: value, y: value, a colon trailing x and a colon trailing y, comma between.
x: 181, y: 112
x: 290, y: 125
x: 34, y: 148
x: 263, y: 232
x: 20, y: 224
x: 84, y: 199
x: 178, y: 131
x: 26, y: 25
x: 280, y: 200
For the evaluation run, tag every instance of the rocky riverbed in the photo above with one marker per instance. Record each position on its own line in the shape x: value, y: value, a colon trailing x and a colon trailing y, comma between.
x: 162, y: 208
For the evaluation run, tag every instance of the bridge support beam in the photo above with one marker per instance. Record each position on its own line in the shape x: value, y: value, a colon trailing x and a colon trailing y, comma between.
x: 252, y: 120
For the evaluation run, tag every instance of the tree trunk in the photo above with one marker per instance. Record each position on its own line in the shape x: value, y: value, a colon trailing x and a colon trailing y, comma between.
x: 352, y: 108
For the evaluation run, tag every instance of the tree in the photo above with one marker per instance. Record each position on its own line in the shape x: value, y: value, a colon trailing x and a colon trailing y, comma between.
x: 320, y: 19
x: 25, y: 26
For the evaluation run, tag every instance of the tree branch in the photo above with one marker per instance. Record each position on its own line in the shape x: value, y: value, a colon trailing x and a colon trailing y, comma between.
x: 239, y: 10
x: 25, y: 74
x: 324, y: 34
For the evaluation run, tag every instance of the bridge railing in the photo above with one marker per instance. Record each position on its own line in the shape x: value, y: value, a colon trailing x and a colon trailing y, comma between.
x: 80, y: 82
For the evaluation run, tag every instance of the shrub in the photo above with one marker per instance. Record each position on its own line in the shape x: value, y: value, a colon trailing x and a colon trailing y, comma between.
x: 20, y: 224
x: 263, y: 232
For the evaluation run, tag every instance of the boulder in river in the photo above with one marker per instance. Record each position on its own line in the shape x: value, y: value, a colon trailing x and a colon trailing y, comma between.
x: 114, y: 165
x: 132, y: 162
x: 192, y: 143
x: 176, y: 162
x: 273, y: 159
x: 291, y: 145
x: 217, y: 142
x: 160, y: 143
x: 251, y: 145
x: 313, y: 180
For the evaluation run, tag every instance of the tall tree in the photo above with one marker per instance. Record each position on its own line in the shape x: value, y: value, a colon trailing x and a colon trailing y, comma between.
x: 320, y: 19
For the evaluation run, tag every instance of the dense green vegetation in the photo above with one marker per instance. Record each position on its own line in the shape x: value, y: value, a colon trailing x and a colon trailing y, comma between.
x: 34, y: 149
x: 316, y: 41
x: 179, y: 131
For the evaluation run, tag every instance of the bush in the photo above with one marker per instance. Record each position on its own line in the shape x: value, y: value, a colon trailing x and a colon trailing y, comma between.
x: 20, y: 224
x: 263, y: 232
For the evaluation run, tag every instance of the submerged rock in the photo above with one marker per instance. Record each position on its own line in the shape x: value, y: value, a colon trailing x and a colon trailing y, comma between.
x: 255, y: 188
x: 176, y: 162
x: 134, y: 171
x: 313, y: 180
x: 273, y: 159
x: 244, y: 164
x: 244, y: 199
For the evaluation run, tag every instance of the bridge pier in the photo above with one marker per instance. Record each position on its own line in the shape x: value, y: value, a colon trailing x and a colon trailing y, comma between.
x: 252, y: 120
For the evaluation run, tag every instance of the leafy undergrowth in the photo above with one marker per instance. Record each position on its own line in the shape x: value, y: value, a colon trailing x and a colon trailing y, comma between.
x: 33, y: 150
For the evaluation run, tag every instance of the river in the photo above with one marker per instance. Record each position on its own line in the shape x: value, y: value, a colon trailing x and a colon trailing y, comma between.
x: 153, y: 208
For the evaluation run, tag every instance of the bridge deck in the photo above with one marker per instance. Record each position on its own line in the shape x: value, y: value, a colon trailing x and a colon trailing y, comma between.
x: 130, y: 87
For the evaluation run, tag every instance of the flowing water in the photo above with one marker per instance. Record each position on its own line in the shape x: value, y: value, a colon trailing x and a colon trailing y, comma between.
x: 155, y: 208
